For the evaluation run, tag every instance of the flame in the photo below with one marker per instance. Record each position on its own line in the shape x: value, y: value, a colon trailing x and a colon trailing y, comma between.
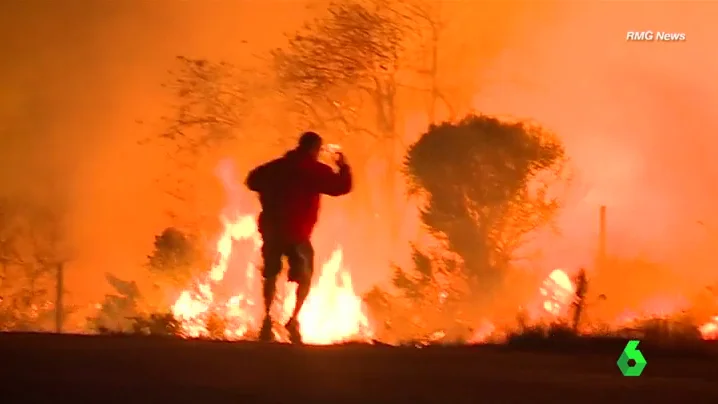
x: 709, y: 330
x: 332, y: 313
x: 556, y: 295
x: 483, y: 333
x: 558, y: 292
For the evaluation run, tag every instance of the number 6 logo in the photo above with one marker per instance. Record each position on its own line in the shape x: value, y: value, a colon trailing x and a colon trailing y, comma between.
x: 631, y: 353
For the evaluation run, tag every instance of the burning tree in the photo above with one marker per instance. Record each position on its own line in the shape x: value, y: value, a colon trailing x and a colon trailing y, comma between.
x: 485, y: 184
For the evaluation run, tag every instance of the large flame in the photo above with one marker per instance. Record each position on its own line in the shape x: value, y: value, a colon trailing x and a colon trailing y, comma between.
x: 231, y: 291
x: 557, y: 291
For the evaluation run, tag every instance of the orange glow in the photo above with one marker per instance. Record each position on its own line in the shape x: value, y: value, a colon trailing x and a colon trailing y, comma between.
x: 637, y: 120
x: 709, y: 330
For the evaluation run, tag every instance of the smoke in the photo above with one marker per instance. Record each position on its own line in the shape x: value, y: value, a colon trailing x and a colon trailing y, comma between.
x: 226, y: 173
x: 82, y: 85
x: 635, y: 120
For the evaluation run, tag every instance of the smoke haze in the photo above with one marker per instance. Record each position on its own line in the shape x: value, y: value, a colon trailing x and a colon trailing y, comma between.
x: 82, y: 82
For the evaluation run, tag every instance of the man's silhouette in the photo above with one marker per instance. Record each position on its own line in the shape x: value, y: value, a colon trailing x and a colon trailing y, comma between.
x: 290, y: 189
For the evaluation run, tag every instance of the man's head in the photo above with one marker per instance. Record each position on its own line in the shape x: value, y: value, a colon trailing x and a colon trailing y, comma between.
x: 310, y: 143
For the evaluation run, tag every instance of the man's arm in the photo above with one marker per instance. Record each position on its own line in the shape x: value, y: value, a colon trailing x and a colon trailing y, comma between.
x: 327, y: 182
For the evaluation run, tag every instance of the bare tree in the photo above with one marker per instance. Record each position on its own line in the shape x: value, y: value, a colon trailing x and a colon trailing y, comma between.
x: 428, y: 16
x: 212, y: 102
x: 32, y: 251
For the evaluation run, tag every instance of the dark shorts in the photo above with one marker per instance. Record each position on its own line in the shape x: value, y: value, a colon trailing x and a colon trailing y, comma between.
x: 299, y: 256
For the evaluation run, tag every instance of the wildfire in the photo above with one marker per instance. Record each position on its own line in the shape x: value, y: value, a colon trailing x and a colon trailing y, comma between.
x: 231, y: 291
x: 226, y: 302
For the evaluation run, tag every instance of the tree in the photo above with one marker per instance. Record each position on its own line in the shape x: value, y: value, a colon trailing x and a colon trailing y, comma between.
x: 174, y: 257
x: 335, y: 62
x: 428, y: 15
x: 31, y: 252
x: 118, y: 310
x: 212, y: 102
x: 487, y: 187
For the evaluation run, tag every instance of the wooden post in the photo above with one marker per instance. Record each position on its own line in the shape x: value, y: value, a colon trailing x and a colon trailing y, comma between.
x: 59, y: 305
x: 581, y: 282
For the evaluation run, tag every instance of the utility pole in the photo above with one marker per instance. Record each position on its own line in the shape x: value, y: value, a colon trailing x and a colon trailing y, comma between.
x: 59, y: 305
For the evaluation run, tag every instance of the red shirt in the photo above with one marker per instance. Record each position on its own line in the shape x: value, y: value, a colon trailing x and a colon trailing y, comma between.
x: 290, y: 190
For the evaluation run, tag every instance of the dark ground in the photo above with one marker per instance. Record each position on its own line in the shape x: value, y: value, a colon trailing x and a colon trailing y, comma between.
x: 51, y: 368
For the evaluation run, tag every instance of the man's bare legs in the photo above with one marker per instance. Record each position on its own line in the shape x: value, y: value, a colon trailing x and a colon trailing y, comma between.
x: 301, y: 267
x: 269, y: 289
x: 272, y: 257
x: 303, y: 288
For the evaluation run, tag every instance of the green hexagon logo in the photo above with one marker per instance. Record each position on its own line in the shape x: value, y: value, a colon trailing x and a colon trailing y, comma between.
x: 631, y: 352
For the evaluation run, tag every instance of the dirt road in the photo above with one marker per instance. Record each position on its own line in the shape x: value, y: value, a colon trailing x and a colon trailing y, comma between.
x: 51, y: 368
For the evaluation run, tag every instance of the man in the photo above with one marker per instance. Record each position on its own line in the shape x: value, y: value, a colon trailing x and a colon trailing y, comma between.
x: 289, y: 191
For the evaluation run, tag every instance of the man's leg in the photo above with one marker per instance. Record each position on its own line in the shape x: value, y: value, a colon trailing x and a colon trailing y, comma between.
x: 272, y: 257
x: 301, y: 268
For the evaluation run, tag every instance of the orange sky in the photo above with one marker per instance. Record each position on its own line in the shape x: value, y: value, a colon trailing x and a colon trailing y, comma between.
x: 635, y: 116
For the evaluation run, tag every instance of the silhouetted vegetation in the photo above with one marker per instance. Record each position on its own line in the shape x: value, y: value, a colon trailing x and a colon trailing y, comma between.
x: 157, y: 324
x: 31, y: 252
x: 116, y: 312
x: 485, y: 184
x: 123, y: 313
x: 678, y: 331
x: 174, y: 257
